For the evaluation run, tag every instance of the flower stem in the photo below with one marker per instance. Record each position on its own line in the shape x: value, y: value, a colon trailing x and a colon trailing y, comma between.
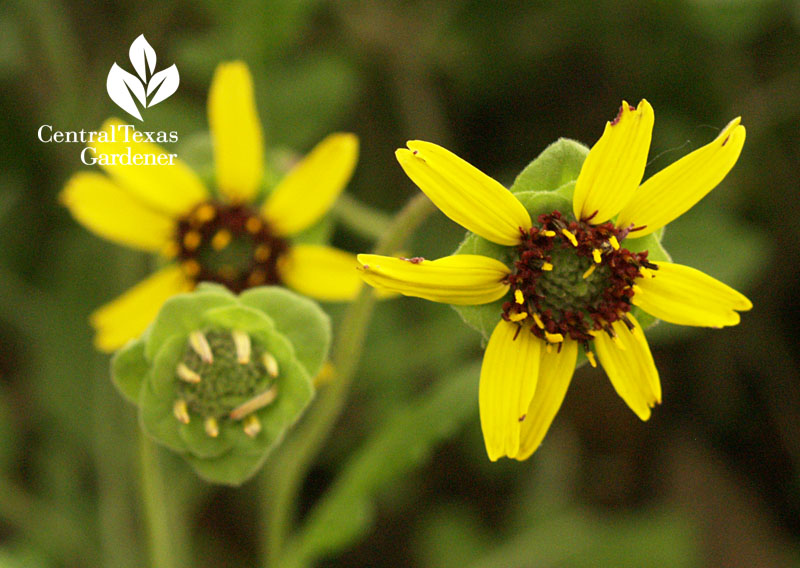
x: 362, y: 219
x: 290, y: 466
x: 156, y: 511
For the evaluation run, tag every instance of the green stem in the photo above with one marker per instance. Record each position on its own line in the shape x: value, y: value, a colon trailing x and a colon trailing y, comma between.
x: 287, y: 471
x: 156, y: 509
x: 362, y: 219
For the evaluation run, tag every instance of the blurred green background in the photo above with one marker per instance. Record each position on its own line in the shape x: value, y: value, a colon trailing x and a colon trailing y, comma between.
x: 710, y: 480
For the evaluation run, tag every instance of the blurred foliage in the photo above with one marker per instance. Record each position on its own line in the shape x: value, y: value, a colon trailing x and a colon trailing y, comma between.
x: 711, y: 480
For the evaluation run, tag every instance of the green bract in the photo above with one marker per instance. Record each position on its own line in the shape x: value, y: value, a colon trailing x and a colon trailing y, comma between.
x: 544, y: 186
x: 220, y: 378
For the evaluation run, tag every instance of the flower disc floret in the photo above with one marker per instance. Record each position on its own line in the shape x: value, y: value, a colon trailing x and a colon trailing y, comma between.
x: 572, y: 279
x: 228, y: 244
x: 225, y: 383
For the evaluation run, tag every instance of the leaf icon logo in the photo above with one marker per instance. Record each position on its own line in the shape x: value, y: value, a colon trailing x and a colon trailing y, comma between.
x: 149, y: 88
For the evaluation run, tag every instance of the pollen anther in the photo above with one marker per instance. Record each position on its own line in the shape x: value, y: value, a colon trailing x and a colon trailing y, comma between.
x: 200, y: 345
x: 192, y: 240
x: 547, y: 267
x: 592, y: 360
x: 181, y: 411
x: 187, y: 375
x: 614, y: 242
x: 242, y: 342
x: 221, y: 239
x: 553, y: 337
x: 252, y: 426
x: 211, y: 426
x: 518, y: 297
x: 538, y: 321
x: 253, y: 225
x: 518, y: 317
x: 589, y: 271
x: 271, y: 364
x: 257, y: 402
x: 597, y: 256
x: 570, y: 236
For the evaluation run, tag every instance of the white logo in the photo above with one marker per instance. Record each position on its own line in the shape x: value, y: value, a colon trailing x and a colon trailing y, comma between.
x: 121, y: 84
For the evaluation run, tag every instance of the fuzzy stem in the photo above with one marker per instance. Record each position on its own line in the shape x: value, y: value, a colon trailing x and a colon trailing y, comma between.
x: 156, y: 511
x: 291, y: 464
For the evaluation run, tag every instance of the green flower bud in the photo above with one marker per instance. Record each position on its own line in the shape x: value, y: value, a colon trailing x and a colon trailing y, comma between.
x: 220, y: 378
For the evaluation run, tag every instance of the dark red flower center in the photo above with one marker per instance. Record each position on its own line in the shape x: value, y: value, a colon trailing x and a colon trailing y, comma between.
x: 229, y: 244
x: 572, y: 279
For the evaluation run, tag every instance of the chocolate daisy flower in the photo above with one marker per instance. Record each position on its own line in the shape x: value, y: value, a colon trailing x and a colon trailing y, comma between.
x: 561, y: 277
x: 228, y: 234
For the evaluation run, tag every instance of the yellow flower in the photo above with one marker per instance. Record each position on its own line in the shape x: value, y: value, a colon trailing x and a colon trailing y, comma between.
x: 571, y: 283
x: 226, y: 236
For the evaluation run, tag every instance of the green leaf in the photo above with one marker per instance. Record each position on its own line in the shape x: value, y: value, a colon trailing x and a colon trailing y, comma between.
x: 183, y: 314
x: 559, y: 164
x: 156, y: 418
x: 401, y: 443
x: 129, y: 369
x: 238, y: 317
x: 301, y: 320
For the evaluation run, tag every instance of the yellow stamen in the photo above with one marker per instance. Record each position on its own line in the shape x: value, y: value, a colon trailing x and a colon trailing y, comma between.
x: 186, y: 374
x: 518, y: 317
x: 205, y: 213
x: 191, y: 267
x: 253, y: 225
x: 538, y: 321
x: 553, y: 337
x: 597, y: 255
x: 570, y: 236
x: 271, y: 364
x: 549, y: 233
x: 256, y: 278
x: 181, y: 411
x: 255, y: 403
x: 221, y: 239
x: 547, y: 267
x: 262, y: 252
x: 252, y: 426
x: 211, y: 426
x: 592, y: 360
x: 589, y: 272
x: 200, y: 345
x: 192, y: 240
x: 518, y: 297
x: 614, y: 242
x: 242, y: 343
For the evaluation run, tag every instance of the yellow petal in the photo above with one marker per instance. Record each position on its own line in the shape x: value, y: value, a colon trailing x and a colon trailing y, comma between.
x: 630, y: 367
x: 463, y: 279
x: 686, y: 296
x: 555, y: 372
x: 675, y: 189
x: 321, y: 272
x: 172, y: 189
x: 464, y: 193
x: 508, y: 382
x: 309, y: 190
x: 615, y: 165
x: 236, y: 132
x: 128, y: 316
x: 104, y: 208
